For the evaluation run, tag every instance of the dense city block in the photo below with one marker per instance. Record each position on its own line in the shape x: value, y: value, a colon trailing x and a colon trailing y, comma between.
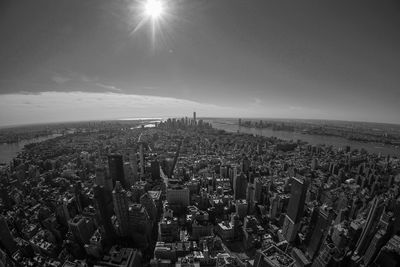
x: 185, y: 194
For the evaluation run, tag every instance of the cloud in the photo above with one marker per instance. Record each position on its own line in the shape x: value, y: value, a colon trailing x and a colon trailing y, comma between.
x: 76, y: 81
x: 109, y: 87
x: 296, y: 108
x: 60, y: 79
x: 257, y: 101
x: 87, y: 79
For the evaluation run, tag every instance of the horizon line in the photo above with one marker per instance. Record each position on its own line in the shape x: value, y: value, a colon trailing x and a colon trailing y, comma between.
x: 8, y: 126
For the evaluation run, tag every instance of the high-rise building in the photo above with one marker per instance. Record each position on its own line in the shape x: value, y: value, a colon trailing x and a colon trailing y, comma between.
x: 69, y: 208
x: 389, y: 255
x: 134, y: 166
x: 103, y: 179
x: 396, y: 215
x: 148, y: 203
x: 373, y: 248
x: 245, y: 164
x: 155, y: 170
x: 120, y: 201
x: 257, y: 190
x: 272, y: 257
x: 325, y: 257
x: 138, y: 189
x: 239, y: 186
x: 168, y: 230
x: 223, y: 171
x: 121, y: 257
x: 128, y: 174
x: 139, y: 225
x: 367, y: 233
x: 4, y: 195
x: 274, y: 210
x: 6, y: 237
x: 116, y: 168
x: 141, y: 158
x: 178, y: 196
x: 324, y: 220
x: 295, y: 209
x: 194, y: 118
x: 6, y: 260
x: 102, y: 198
x: 297, y: 199
x: 95, y: 246
x: 290, y: 229
x: 300, y: 258
x: 233, y: 172
x: 386, y: 221
x: 82, y: 228
x: 250, y: 197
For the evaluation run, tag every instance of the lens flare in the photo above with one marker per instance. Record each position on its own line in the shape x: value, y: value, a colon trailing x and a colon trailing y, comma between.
x: 156, y: 16
x: 153, y: 9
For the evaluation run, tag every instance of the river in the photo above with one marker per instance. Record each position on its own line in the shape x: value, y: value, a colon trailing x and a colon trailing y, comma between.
x: 311, y: 139
x: 10, y: 151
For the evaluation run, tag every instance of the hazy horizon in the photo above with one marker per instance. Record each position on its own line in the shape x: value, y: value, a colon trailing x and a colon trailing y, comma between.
x: 6, y: 126
x: 72, y: 60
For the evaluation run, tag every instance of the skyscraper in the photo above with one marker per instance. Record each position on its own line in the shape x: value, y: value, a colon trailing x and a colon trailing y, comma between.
x: 324, y: 258
x: 102, y: 179
x: 128, y: 174
x: 4, y: 195
x: 6, y: 238
x: 148, y: 203
x: 374, y: 246
x: 120, y: 202
x: 389, y: 255
x: 239, y: 186
x: 155, y: 170
x: 250, y: 197
x: 325, y: 217
x: 82, y: 228
x: 257, y: 190
x: 295, y: 209
x: 233, y: 172
x: 297, y: 199
x: 396, y: 215
x: 245, y: 164
x: 178, y: 196
x: 272, y: 257
x: 367, y: 232
x: 274, y: 210
x: 139, y: 225
x: 141, y: 158
x: 134, y: 166
x: 116, y: 168
x: 101, y: 202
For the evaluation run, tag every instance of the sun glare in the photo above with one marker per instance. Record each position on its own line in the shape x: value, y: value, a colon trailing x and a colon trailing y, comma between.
x: 154, y: 15
x: 153, y: 8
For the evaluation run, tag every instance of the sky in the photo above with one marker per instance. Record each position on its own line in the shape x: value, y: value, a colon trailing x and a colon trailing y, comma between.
x: 63, y: 60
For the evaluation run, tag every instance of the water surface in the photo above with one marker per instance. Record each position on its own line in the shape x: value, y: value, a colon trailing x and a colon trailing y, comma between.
x: 338, y: 142
x: 9, y: 151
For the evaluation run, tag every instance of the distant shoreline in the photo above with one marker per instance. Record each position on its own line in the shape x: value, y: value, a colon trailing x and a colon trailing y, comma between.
x: 10, y: 126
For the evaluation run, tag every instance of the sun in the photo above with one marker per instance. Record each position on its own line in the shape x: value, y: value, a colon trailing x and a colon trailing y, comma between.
x: 153, y: 9
x: 154, y: 15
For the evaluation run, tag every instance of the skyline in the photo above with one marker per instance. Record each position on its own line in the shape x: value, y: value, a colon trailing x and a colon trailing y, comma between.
x: 72, y: 60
